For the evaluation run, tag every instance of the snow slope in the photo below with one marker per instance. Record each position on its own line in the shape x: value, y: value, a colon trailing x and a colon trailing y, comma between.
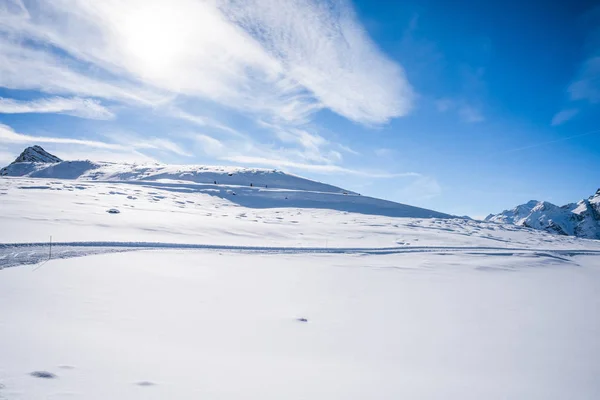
x: 278, y: 292
x: 33, y: 209
x: 579, y: 219
x: 256, y: 188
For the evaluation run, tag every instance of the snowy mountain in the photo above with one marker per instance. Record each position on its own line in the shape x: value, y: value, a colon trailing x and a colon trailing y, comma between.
x: 575, y: 219
x: 36, y: 154
x: 253, y: 187
x: 286, y: 289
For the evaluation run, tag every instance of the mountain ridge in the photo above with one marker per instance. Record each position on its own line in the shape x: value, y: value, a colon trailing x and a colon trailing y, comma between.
x: 581, y: 219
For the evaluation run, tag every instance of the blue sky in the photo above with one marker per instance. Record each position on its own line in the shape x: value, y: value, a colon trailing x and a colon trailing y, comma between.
x: 465, y: 107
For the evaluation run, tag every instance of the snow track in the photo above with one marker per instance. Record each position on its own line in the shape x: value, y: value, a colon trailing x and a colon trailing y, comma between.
x: 15, y: 254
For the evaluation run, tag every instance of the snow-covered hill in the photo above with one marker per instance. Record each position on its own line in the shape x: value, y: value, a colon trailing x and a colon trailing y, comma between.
x: 252, y: 187
x: 580, y: 219
x: 196, y: 290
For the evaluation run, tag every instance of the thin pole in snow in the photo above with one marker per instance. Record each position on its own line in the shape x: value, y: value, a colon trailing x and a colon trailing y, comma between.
x: 49, y: 256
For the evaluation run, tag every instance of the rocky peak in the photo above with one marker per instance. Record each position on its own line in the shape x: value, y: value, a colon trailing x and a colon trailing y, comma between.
x: 580, y: 219
x: 36, y: 154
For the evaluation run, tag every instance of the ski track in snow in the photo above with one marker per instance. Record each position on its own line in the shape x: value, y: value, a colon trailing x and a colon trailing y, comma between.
x: 15, y: 254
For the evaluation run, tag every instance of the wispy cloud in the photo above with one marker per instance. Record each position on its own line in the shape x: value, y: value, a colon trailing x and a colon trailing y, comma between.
x: 419, y: 189
x: 30, y: 67
x: 318, y: 168
x: 470, y: 114
x: 540, y: 144
x: 466, y: 112
x: 201, y: 120
x: 384, y: 152
x: 276, y: 61
x: 587, y: 84
x: 209, y: 144
x: 6, y: 157
x: 75, y: 152
x: 134, y: 141
x: 444, y: 105
x: 8, y: 135
x: 78, y: 107
x: 347, y: 149
x: 286, y: 59
x: 563, y: 116
x: 122, y: 142
x: 584, y: 89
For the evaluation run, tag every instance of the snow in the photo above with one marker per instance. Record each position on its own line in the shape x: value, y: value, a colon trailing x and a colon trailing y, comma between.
x: 210, y: 324
x: 580, y: 219
x: 290, y: 289
x: 73, y: 210
x: 256, y: 187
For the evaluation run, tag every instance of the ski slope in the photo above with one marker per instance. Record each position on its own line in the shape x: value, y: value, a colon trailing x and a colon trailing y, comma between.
x: 191, y: 291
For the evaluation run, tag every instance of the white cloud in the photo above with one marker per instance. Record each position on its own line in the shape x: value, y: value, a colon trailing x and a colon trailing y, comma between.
x: 587, y: 84
x: 278, y: 61
x: 470, y: 114
x: 36, y: 68
x: 563, y: 116
x: 384, y: 152
x: 8, y: 135
x: 209, y: 144
x: 122, y: 143
x: 467, y: 112
x: 347, y: 149
x: 317, y: 168
x: 77, y: 107
x: 283, y: 58
x: 444, y: 105
x: 161, y: 144
x: 78, y: 153
x: 420, y: 189
x: 6, y: 157
x: 133, y: 141
x: 202, y: 121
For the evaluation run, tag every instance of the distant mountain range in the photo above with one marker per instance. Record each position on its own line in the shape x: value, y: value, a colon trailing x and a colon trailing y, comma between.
x: 580, y: 219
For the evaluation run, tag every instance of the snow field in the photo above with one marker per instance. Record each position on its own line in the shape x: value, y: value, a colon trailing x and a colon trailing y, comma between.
x: 207, y: 324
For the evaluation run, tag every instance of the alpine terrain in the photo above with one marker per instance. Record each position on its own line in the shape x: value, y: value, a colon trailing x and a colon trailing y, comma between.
x: 149, y: 281
x: 576, y: 219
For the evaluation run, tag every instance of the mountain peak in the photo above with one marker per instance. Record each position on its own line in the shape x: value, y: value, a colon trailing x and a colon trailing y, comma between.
x: 579, y: 219
x: 36, y: 154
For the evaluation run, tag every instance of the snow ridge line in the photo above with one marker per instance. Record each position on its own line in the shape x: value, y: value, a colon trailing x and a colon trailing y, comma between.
x: 292, y: 250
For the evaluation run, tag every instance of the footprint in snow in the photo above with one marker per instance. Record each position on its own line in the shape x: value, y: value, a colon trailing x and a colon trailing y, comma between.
x: 145, y: 383
x: 43, y: 374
